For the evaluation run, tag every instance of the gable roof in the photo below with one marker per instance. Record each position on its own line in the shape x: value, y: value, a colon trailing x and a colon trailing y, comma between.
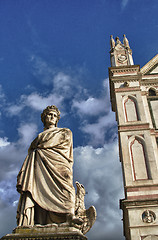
x: 151, y: 67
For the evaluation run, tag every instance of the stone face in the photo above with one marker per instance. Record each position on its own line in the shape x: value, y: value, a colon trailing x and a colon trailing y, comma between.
x: 134, y: 98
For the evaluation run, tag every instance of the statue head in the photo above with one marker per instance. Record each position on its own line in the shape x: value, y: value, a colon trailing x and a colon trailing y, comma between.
x: 47, y: 111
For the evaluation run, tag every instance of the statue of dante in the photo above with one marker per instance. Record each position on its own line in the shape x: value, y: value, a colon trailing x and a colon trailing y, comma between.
x: 45, y: 181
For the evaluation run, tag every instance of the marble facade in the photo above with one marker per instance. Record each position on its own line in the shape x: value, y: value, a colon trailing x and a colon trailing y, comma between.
x: 134, y: 99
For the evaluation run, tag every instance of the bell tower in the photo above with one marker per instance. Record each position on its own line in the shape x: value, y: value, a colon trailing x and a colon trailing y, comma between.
x: 120, y: 54
x: 134, y: 99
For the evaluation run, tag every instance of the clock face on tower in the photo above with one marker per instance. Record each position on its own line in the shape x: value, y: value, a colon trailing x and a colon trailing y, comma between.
x: 122, y: 58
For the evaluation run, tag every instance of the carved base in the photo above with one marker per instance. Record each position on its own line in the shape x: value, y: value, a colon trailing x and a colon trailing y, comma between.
x: 48, y: 232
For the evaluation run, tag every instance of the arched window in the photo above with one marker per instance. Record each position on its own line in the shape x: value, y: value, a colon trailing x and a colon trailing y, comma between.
x: 152, y: 92
x: 131, y: 109
x: 140, y: 169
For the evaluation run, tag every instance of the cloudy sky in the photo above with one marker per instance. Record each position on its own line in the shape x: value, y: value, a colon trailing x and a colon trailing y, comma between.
x: 57, y: 52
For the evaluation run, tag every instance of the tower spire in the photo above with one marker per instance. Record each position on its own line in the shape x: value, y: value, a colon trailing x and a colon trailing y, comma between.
x: 120, y: 54
x: 125, y: 41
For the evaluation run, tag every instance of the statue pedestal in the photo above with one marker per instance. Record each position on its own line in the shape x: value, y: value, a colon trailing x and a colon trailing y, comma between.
x: 48, y: 232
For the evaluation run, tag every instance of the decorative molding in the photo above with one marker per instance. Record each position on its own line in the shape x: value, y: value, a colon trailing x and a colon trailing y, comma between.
x: 129, y: 89
x: 137, y: 189
x: 143, y: 197
x: 149, y: 82
x: 134, y: 126
x: 138, y: 203
x: 125, y: 78
x: 130, y: 69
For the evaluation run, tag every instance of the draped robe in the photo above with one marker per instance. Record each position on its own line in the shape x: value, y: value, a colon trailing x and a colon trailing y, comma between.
x: 45, y: 180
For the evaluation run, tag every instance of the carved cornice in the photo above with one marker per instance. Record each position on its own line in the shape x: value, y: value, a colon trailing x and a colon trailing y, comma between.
x: 129, y: 89
x: 149, y: 82
x: 139, y: 203
x: 122, y: 79
x: 130, y: 69
x: 142, y: 188
x: 142, y: 197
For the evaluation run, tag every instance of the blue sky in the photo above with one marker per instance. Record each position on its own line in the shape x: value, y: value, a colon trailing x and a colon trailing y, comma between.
x: 57, y: 52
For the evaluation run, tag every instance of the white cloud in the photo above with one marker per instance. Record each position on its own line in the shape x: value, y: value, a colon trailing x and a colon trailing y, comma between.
x: 124, y: 3
x: 48, y: 75
x: 35, y: 101
x: 62, y: 88
x: 10, y: 158
x: 103, y: 122
x: 98, y: 130
x: 42, y: 70
x: 15, y: 109
x: 39, y: 102
x: 62, y: 83
x: 15, y: 203
x: 12, y: 154
x: 4, y: 142
x: 26, y: 133
x: 99, y: 170
x: 7, y: 218
x: 8, y: 191
x: 91, y: 106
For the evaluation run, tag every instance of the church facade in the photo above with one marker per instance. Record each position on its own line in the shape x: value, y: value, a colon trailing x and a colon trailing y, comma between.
x: 134, y: 99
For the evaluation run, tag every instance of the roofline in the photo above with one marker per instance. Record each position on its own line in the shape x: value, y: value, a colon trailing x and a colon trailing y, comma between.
x: 148, y: 66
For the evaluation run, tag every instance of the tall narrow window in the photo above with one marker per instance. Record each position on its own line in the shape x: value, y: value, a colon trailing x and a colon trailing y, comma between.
x: 138, y: 160
x: 131, y: 111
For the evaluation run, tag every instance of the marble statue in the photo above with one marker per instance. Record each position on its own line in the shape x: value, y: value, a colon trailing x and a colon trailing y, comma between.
x: 45, y: 181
